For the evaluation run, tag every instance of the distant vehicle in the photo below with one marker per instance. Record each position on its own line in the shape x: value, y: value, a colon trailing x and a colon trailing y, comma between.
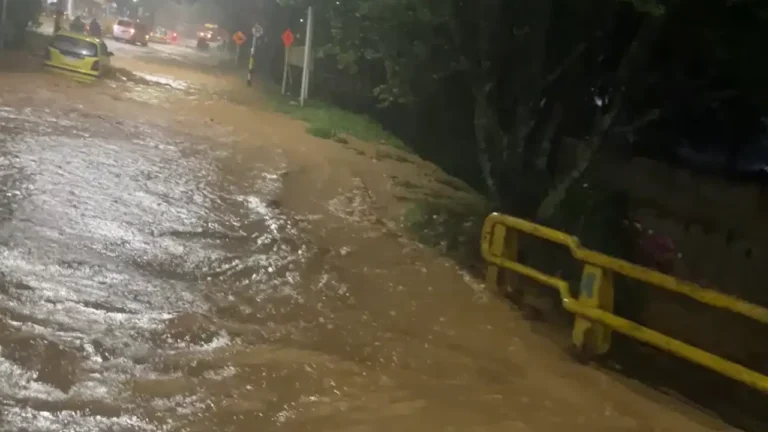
x: 79, y: 56
x: 162, y: 35
x: 129, y: 31
x: 210, y: 33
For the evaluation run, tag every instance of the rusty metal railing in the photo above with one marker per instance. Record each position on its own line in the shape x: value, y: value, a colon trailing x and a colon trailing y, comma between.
x: 595, y: 320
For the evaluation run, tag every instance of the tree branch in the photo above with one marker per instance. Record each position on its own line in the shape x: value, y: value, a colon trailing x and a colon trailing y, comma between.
x: 628, y: 62
x: 548, y: 134
x: 602, y: 121
x: 648, y: 117
x: 570, y: 60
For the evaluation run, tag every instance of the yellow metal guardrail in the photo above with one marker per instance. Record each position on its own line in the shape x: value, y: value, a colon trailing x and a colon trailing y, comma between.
x: 595, y: 319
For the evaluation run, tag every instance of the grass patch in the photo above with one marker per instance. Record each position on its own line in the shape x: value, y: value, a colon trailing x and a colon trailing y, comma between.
x: 321, y: 132
x: 326, y: 133
x: 449, y: 226
x: 330, y: 122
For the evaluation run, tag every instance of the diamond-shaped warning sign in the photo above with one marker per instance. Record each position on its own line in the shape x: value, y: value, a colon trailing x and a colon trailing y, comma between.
x: 288, y: 38
x: 239, y: 38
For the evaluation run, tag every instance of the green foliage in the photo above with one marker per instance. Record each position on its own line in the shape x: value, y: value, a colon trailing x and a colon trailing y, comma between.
x: 326, y: 133
x: 398, y: 38
x: 736, y: 35
x: 321, y: 132
x: 520, y: 59
x: 330, y: 122
x: 451, y: 226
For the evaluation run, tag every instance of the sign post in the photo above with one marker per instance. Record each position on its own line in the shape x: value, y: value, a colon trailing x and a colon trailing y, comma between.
x: 287, y: 41
x: 257, y: 33
x: 307, y: 50
x: 239, y: 39
x: 2, y: 25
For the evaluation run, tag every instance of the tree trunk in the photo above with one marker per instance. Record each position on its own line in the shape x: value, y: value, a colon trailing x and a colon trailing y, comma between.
x: 545, y: 148
x: 602, y: 122
x: 484, y: 124
x: 557, y: 194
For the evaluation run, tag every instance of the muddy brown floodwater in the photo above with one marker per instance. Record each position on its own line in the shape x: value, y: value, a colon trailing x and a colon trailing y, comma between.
x: 175, y: 261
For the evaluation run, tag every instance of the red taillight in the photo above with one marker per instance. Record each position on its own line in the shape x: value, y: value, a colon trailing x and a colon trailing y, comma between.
x: 95, y: 66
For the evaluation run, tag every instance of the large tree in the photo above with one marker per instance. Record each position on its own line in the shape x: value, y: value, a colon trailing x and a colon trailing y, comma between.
x: 547, y: 77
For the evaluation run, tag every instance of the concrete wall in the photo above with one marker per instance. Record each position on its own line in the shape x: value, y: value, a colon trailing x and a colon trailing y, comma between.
x: 736, y: 210
x: 719, y: 230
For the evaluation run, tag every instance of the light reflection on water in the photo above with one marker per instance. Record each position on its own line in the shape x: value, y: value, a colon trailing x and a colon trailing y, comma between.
x: 109, y: 239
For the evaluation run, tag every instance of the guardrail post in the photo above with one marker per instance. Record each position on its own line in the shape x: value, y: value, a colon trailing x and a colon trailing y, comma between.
x: 497, y: 249
x: 503, y: 243
x: 596, y: 292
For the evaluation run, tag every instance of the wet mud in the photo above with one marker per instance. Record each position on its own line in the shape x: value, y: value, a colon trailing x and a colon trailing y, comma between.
x: 174, y: 261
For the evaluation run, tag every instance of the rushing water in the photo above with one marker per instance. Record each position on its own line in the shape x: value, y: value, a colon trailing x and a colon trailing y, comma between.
x: 152, y: 281
x: 110, y: 244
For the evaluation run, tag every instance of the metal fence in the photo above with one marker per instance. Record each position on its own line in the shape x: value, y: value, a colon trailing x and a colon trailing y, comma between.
x: 593, y: 306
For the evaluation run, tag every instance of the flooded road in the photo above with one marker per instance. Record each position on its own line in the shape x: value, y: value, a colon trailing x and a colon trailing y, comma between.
x: 172, y: 261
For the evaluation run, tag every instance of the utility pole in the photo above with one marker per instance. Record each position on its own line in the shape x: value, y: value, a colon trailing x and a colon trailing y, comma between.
x: 307, y: 59
x: 71, y: 8
x: 2, y: 25
x: 257, y: 32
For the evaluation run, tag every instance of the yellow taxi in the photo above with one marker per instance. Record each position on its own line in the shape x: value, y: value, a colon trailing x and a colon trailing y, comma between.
x: 79, y: 56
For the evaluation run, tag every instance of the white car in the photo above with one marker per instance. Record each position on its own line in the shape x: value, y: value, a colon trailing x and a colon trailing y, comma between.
x: 129, y: 31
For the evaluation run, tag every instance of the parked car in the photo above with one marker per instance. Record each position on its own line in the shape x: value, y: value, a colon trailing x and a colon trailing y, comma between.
x: 130, y: 31
x: 77, y: 55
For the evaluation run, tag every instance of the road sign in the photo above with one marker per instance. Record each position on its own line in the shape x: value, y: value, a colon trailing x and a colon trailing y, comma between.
x: 257, y: 30
x: 239, y: 38
x: 288, y: 38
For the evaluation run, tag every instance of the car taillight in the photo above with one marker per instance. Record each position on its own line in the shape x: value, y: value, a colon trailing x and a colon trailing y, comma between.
x: 95, y: 66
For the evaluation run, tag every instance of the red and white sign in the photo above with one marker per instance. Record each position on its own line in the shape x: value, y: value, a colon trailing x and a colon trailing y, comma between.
x: 239, y: 38
x: 288, y: 38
